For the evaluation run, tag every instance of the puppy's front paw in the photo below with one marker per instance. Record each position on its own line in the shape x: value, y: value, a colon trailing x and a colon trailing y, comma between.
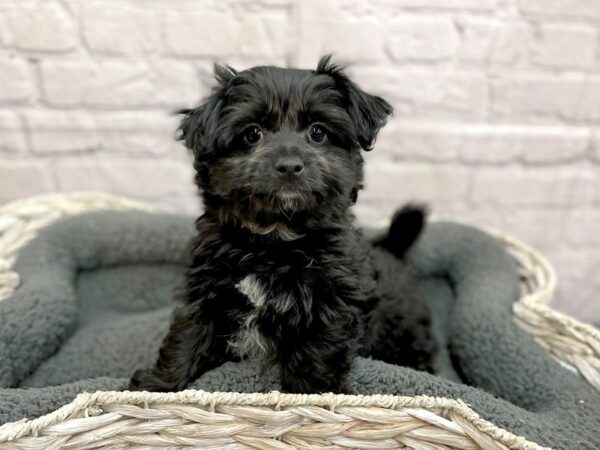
x: 146, y: 380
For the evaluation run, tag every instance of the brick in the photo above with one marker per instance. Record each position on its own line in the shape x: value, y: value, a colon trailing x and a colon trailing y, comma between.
x: 570, y: 96
x: 535, y: 187
x: 392, y: 185
x: 5, y: 38
x: 540, y: 227
x: 421, y: 40
x: 487, y: 145
x: 189, y: 204
x: 451, y: 141
x: 121, y: 28
x: 577, y: 272
x: 565, y: 46
x: 125, y: 133
x: 583, y: 227
x: 561, y: 8
x: 478, y: 5
x: 498, y: 43
x: 347, y: 29
x: 491, y: 42
x: 483, y: 143
x: 579, y: 299
x: 118, y: 83
x: 24, y: 178
x: 596, y: 146
x: 61, y: 132
x: 142, y: 133
x: 12, y: 136
x: 37, y: 25
x: 512, y: 45
x: 401, y: 140
x: 555, y: 146
x: 356, y: 41
x: 16, y: 83
x: 134, y: 177
x: 193, y: 32
x: 464, y: 212
x: 476, y: 39
x: 430, y: 93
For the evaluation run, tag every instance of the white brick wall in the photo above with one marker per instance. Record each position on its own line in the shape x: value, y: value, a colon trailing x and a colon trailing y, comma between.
x: 497, y: 104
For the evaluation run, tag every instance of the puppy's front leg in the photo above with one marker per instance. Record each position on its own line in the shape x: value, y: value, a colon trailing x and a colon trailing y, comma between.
x: 317, y: 367
x: 189, y: 349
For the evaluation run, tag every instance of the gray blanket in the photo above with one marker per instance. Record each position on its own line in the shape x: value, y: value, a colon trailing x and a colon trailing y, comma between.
x: 95, y: 301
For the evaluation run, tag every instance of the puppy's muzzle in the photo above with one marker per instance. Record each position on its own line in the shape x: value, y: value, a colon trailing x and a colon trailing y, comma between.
x: 289, y: 168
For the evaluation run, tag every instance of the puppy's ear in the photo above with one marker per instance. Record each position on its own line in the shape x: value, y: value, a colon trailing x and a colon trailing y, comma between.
x: 199, y: 124
x: 368, y: 112
x: 224, y: 74
x: 194, y: 127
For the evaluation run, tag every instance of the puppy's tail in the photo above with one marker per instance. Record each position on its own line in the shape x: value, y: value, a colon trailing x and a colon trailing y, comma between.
x: 407, y: 224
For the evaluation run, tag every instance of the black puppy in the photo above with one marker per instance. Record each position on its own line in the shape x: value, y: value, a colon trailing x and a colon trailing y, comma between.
x: 279, y: 272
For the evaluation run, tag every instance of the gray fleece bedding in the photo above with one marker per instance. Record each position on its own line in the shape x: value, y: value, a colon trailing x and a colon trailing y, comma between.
x: 95, y: 300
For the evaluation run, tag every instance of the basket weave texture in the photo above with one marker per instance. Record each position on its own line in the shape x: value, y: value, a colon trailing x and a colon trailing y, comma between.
x: 196, y: 419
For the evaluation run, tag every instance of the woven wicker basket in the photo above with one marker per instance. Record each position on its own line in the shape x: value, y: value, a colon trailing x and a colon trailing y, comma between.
x: 196, y: 419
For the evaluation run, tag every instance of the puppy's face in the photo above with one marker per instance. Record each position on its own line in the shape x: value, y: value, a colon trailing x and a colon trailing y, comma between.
x: 272, y: 143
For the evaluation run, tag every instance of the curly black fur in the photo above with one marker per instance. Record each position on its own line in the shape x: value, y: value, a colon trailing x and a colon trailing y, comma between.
x: 279, y: 271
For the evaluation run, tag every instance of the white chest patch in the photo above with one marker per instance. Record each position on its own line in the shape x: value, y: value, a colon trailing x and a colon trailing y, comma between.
x: 252, y: 288
x: 248, y: 341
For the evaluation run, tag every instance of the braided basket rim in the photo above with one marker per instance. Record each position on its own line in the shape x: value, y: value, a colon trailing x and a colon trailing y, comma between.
x: 578, y: 346
x: 91, y: 406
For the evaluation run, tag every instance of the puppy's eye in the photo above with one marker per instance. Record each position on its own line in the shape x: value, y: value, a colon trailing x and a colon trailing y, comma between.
x: 317, y: 133
x: 253, y: 135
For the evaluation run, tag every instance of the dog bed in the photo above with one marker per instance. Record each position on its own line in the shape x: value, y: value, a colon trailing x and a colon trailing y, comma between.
x: 88, y: 300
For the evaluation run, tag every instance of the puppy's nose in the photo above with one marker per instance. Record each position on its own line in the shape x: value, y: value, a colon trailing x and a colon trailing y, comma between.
x: 289, y: 166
